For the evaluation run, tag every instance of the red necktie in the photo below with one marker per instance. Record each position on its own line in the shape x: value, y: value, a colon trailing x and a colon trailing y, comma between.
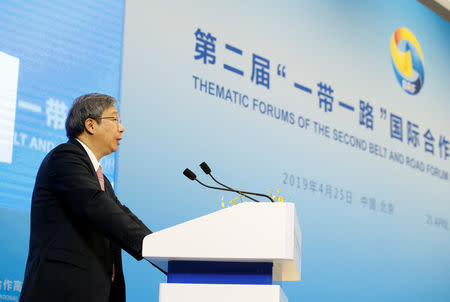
x: 101, y: 180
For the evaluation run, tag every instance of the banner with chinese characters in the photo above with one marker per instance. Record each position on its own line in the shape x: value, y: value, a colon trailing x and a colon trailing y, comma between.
x: 50, y: 53
x: 341, y: 105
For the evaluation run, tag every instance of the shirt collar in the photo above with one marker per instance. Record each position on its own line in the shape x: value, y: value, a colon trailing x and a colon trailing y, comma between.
x: 91, y: 155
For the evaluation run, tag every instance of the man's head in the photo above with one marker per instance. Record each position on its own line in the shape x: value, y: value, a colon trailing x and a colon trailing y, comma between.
x: 95, y: 121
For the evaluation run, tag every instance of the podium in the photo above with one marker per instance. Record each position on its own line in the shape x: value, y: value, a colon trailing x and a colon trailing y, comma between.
x: 234, y: 254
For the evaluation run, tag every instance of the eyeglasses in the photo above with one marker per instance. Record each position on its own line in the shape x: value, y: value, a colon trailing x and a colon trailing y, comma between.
x: 116, y: 119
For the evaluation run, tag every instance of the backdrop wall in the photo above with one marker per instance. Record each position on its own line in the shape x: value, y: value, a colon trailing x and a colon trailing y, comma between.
x: 341, y: 106
x: 317, y: 99
x: 50, y: 53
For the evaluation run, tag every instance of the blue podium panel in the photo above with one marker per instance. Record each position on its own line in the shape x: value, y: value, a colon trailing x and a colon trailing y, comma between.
x: 212, y: 272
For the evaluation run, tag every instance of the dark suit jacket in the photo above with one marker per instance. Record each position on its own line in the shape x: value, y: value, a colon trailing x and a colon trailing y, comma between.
x: 77, y: 232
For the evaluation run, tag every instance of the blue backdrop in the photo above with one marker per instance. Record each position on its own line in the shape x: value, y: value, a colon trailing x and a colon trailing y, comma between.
x: 50, y: 53
x: 305, y: 97
x: 341, y: 106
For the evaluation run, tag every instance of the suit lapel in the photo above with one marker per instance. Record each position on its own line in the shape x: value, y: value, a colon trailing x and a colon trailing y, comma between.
x: 86, y: 156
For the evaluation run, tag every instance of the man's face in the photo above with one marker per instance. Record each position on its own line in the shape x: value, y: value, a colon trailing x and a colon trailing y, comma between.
x: 109, y: 132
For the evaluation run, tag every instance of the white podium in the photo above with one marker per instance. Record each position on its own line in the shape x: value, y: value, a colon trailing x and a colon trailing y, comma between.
x: 233, y: 254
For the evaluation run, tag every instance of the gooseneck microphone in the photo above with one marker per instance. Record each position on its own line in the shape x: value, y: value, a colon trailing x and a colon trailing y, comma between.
x: 207, y: 170
x: 191, y: 175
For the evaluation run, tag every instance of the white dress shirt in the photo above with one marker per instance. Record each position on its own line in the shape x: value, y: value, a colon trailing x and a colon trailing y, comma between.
x: 92, y: 157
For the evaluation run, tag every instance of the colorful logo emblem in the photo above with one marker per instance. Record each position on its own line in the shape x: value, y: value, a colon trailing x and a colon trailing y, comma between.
x: 407, y: 60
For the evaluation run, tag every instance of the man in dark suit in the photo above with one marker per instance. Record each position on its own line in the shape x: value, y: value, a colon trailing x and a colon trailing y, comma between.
x: 78, y: 226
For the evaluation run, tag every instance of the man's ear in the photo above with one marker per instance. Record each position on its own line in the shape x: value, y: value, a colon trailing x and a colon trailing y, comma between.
x: 89, y: 125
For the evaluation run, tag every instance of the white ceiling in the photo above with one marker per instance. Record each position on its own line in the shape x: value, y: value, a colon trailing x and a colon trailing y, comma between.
x: 440, y: 7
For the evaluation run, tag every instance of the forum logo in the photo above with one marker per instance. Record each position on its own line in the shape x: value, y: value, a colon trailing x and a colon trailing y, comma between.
x: 407, y: 60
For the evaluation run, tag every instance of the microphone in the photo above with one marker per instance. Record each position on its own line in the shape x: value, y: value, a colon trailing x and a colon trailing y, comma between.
x: 207, y: 170
x: 191, y: 175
